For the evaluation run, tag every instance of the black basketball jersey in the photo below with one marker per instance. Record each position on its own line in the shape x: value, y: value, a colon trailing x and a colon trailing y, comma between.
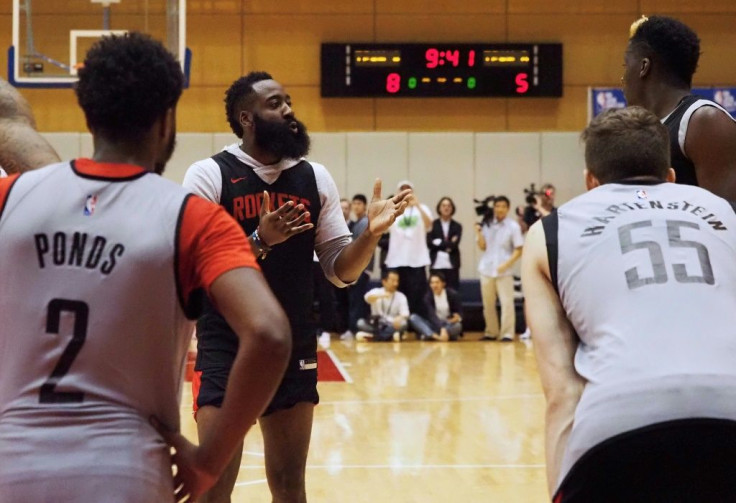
x: 677, y: 124
x: 288, y: 267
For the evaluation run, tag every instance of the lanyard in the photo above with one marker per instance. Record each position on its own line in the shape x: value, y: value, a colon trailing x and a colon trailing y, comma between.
x: 385, y: 309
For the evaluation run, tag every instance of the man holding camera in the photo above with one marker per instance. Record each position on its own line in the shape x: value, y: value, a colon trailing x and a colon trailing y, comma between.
x: 389, y: 311
x: 500, y: 240
x: 539, y: 204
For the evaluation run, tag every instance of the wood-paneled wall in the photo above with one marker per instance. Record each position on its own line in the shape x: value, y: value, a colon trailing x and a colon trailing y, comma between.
x: 231, y: 37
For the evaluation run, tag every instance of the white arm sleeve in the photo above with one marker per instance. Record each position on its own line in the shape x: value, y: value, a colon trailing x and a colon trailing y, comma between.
x: 331, y: 234
x: 204, y: 179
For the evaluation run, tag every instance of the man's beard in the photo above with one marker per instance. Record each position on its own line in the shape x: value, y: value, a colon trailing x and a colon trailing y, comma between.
x: 159, y: 166
x: 277, y: 138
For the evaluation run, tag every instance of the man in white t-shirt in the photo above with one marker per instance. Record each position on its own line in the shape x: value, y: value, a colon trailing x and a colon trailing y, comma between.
x: 500, y: 240
x: 408, y: 253
x: 389, y: 311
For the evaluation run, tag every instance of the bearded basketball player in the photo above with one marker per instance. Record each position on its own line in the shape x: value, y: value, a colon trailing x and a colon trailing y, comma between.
x: 289, y: 208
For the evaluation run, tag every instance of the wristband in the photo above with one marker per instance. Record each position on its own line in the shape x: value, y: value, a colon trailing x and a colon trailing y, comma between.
x: 263, y: 248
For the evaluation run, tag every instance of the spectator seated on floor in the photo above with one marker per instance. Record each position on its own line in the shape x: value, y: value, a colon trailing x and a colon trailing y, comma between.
x: 389, y: 311
x: 445, y: 312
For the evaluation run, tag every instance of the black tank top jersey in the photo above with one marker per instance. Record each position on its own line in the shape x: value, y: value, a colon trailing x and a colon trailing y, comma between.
x: 287, y: 268
x: 684, y: 167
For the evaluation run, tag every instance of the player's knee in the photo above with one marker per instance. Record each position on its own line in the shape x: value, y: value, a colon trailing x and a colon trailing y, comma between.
x: 288, y: 482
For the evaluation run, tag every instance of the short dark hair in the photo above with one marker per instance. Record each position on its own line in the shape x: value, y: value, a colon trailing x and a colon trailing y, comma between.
x: 361, y: 198
x: 626, y: 142
x: 127, y: 83
x: 386, y: 272
x: 237, y: 97
x: 452, y: 203
x: 439, y: 275
x: 669, y: 42
x: 502, y: 199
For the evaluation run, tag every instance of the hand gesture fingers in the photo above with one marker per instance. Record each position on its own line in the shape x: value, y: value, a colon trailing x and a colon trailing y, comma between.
x: 287, y: 209
x: 279, y: 225
x: 376, y: 190
x: 402, y: 196
x: 297, y: 212
x: 300, y: 229
x: 291, y: 224
x: 265, y: 205
x: 400, y: 208
x: 383, y: 213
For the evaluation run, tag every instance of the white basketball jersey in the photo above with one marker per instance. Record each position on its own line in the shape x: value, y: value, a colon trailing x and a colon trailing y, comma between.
x: 647, y: 275
x: 87, y: 290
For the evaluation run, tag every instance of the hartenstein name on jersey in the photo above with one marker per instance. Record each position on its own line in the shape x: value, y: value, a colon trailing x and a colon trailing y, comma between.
x: 249, y: 205
x: 77, y: 250
x: 616, y: 210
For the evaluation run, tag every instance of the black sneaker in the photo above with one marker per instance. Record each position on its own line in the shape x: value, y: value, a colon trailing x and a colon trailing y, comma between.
x: 488, y: 338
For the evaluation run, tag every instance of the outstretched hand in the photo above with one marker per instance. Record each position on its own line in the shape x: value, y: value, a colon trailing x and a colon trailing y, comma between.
x: 191, y: 480
x: 277, y: 226
x: 383, y: 212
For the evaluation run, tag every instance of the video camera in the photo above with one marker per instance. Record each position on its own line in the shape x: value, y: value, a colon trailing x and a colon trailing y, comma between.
x: 530, y: 194
x: 484, y: 208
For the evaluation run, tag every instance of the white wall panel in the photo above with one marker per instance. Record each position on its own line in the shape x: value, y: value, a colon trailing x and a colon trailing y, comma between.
x: 190, y: 148
x: 330, y: 149
x: 67, y: 145
x: 376, y: 155
x: 222, y: 140
x: 86, y: 146
x: 563, y: 162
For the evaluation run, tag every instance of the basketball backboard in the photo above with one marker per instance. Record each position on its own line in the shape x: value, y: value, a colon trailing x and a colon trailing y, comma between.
x: 51, y: 38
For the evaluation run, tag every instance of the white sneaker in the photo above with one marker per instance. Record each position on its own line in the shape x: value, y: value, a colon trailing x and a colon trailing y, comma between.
x: 346, y: 335
x: 324, y: 339
x: 363, y: 336
x: 526, y: 335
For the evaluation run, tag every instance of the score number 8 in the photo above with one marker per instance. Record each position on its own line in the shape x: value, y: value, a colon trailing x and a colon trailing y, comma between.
x: 393, y: 83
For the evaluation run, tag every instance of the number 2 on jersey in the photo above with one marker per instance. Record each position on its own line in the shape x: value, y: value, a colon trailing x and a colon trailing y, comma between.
x: 633, y: 280
x: 80, y: 310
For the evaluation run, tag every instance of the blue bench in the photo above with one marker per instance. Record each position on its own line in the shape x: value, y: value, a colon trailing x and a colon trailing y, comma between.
x: 473, y: 306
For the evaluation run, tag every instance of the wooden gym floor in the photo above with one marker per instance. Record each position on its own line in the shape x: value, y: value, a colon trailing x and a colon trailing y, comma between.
x: 420, y: 422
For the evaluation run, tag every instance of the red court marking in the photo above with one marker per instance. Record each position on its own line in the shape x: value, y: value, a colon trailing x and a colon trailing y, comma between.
x: 329, y: 368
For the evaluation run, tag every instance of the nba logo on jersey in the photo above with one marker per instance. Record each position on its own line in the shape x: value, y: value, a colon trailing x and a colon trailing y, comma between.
x: 642, y: 194
x: 89, y: 206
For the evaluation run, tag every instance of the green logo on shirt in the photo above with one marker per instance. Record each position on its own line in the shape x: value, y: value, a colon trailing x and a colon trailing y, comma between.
x: 408, y: 221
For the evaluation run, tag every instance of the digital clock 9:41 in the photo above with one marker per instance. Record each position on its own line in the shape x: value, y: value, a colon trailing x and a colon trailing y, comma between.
x: 435, y: 58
